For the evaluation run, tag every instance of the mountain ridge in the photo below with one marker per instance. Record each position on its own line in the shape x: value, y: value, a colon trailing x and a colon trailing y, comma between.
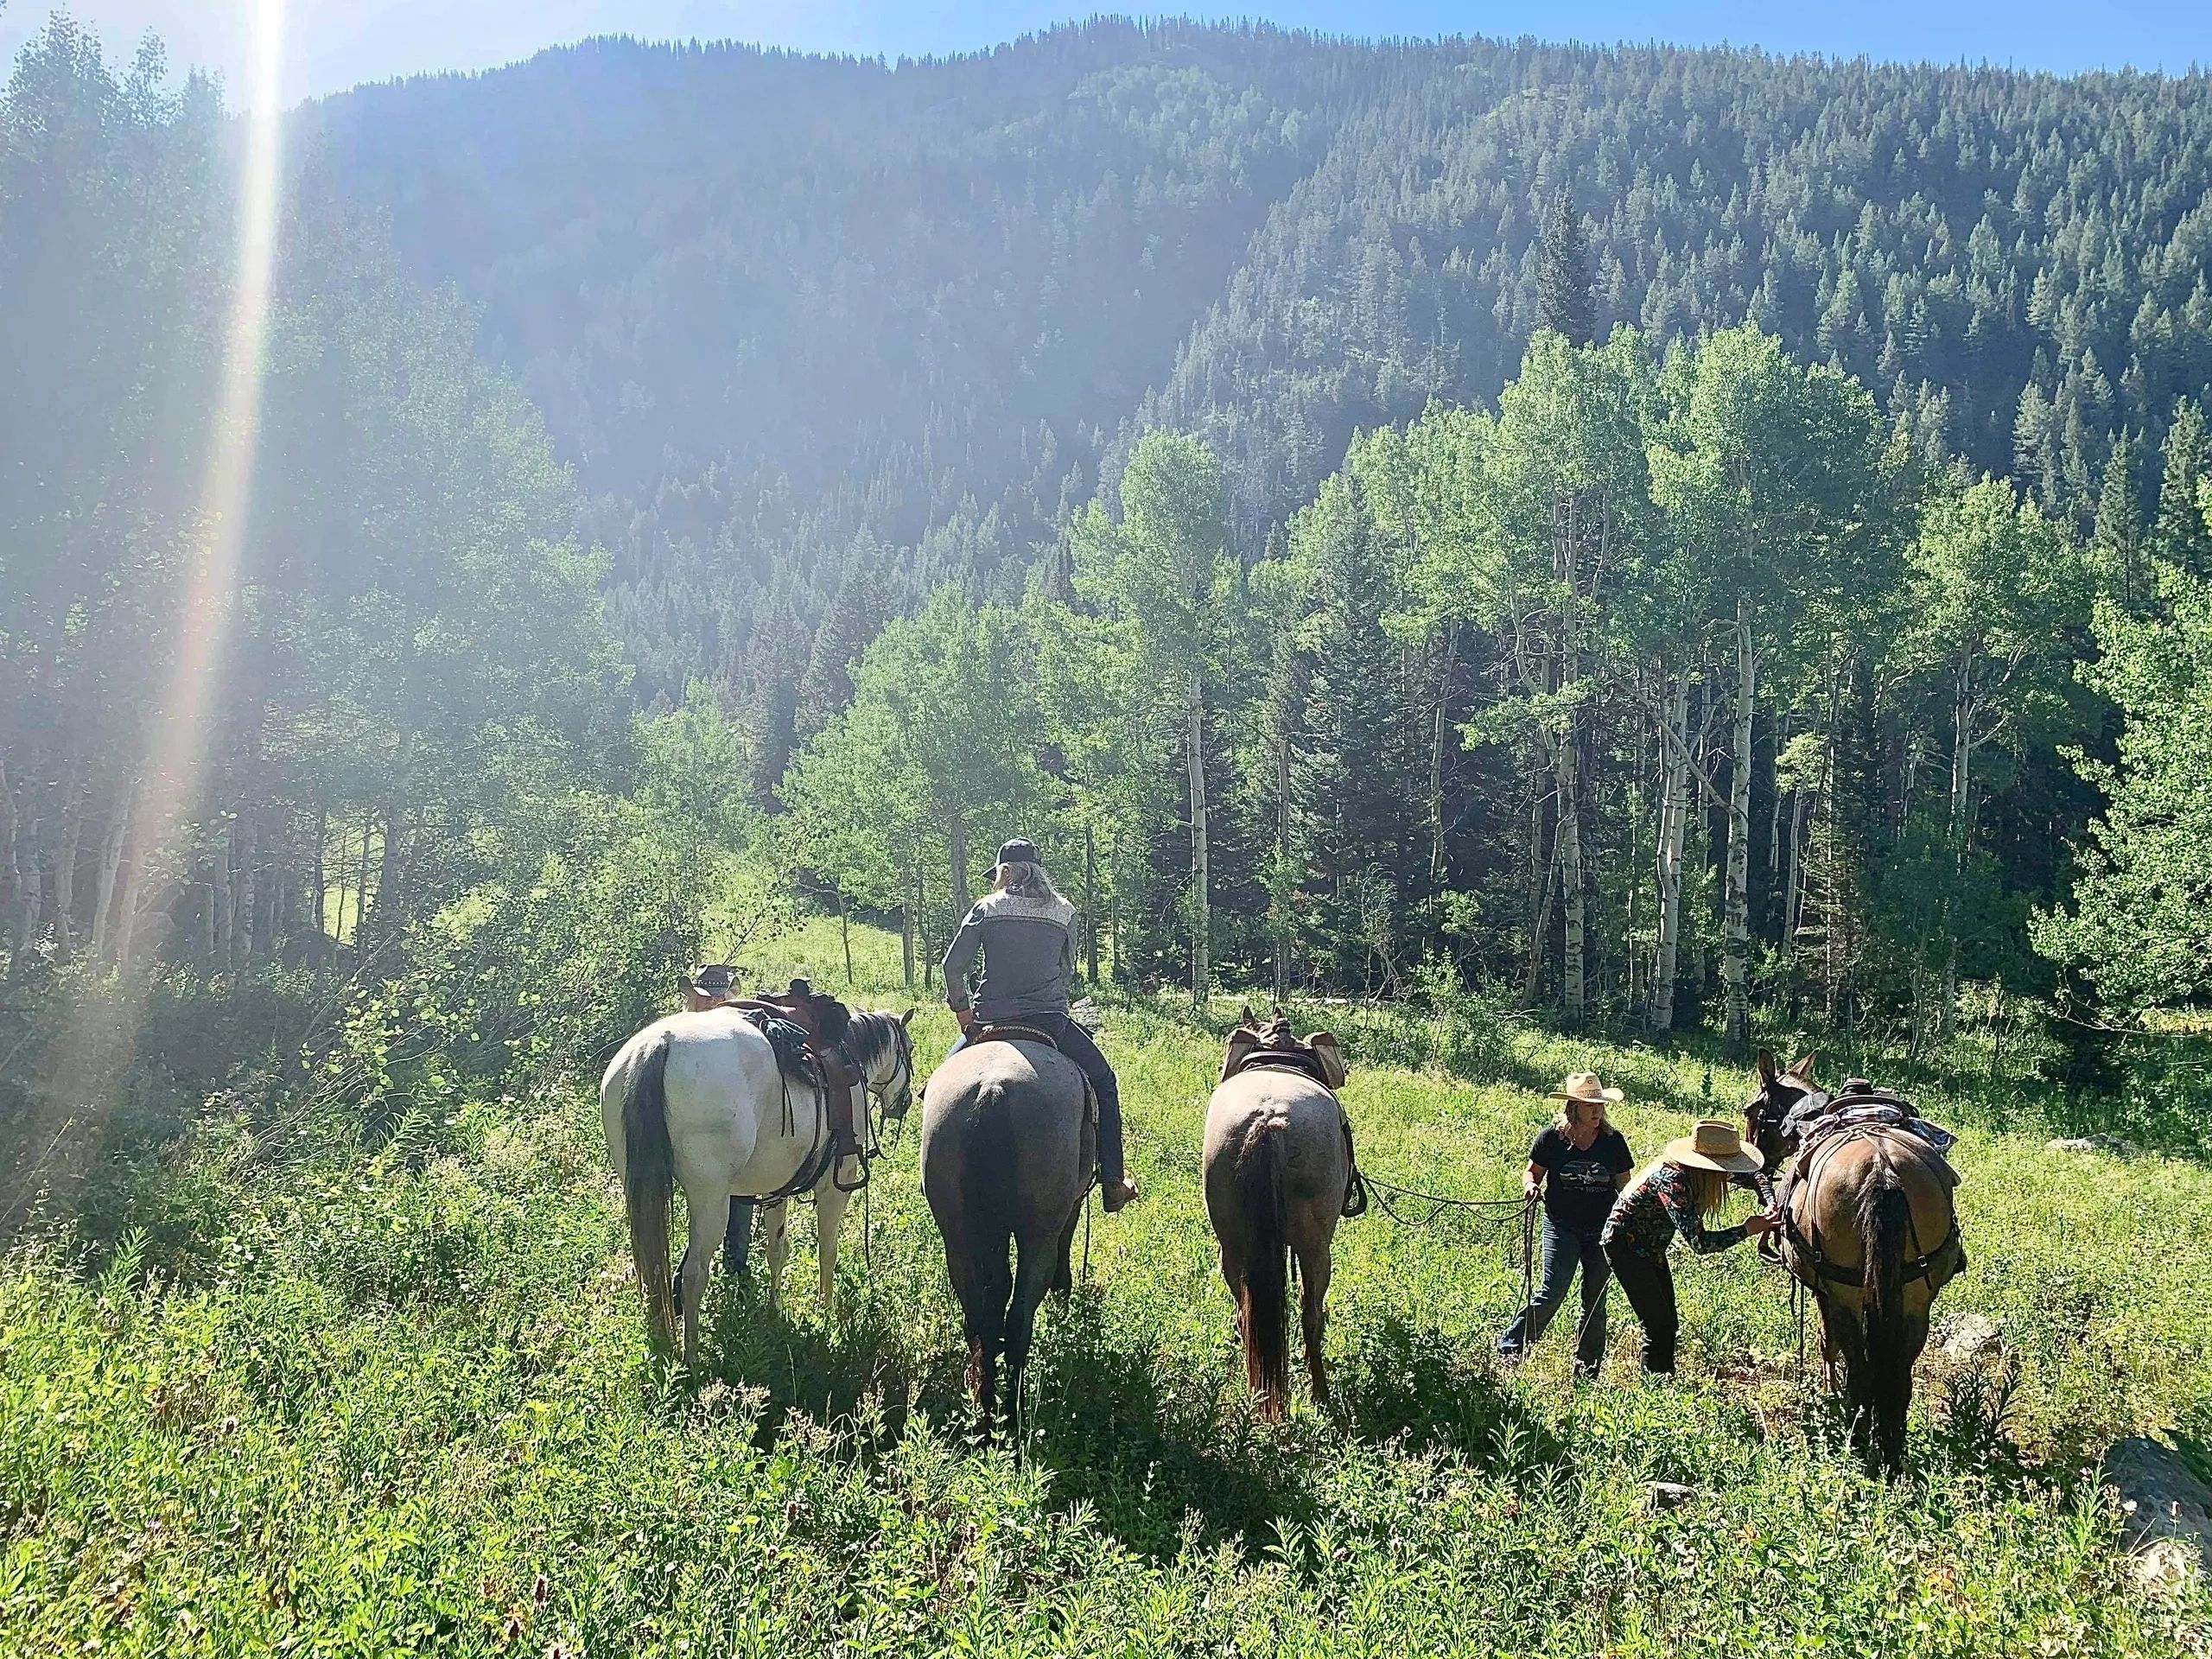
x: 795, y: 316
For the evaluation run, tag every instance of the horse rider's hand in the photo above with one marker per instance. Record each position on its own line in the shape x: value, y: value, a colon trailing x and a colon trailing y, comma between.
x: 1765, y: 1222
x: 1529, y: 1188
x: 965, y: 1018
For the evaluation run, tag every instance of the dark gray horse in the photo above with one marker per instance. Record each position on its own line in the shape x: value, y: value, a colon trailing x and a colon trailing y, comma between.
x: 1276, y: 1171
x: 1006, y: 1152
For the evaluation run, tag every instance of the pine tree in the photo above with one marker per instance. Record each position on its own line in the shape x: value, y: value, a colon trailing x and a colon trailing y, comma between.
x: 2120, y: 530
x: 2181, y: 536
x: 1563, y: 302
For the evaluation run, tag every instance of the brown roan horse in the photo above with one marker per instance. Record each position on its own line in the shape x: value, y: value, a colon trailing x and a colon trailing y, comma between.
x: 1278, y: 1171
x: 1869, y: 1228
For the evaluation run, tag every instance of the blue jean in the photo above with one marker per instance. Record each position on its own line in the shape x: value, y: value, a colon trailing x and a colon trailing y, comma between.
x: 1075, y: 1042
x: 1564, y: 1248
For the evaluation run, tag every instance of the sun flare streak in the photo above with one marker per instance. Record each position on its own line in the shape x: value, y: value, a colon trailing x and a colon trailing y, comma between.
x: 172, y: 762
x: 177, y: 749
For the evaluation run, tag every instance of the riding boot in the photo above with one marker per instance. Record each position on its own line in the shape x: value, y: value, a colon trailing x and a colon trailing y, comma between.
x: 1075, y: 1043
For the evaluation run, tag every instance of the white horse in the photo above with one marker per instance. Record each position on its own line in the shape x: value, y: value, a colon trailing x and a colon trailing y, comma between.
x: 697, y: 1100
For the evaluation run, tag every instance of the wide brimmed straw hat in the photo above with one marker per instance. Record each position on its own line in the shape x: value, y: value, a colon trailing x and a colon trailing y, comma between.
x: 1583, y: 1086
x: 1713, y: 1145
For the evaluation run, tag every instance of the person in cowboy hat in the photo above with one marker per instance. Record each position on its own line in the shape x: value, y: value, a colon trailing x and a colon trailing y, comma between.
x: 706, y: 987
x: 1025, y: 933
x: 1672, y: 1198
x: 1579, y: 1163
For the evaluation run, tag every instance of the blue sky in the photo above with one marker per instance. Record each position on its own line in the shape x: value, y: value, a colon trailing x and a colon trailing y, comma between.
x: 333, y: 44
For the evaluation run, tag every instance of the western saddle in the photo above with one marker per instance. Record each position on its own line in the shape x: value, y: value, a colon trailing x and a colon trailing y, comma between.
x: 824, y: 1020
x: 1270, y: 1045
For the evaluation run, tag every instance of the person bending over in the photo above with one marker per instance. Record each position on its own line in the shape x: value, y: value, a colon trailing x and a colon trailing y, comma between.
x: 1579, y: 1163
x: 1671, y: 1201
x: 1025, y: 933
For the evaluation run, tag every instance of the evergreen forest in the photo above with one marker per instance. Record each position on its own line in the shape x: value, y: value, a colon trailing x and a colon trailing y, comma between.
x: 1532, y: 555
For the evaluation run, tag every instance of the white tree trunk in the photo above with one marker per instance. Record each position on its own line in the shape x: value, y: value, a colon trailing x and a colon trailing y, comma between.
x: 1735, y: 928
x: 1947, y: 1010
x: 118, y: 829
x: 1436, y: 754
x: 1566, y: 761
x: 1201, y: 917
x: 64, y: 863
x: 12, y: 877
x: 1674, y: 837
x: 957, y: 867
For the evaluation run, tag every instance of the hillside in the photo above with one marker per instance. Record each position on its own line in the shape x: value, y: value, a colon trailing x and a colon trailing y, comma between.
x: 808, y: 323
x: 385, y: 1402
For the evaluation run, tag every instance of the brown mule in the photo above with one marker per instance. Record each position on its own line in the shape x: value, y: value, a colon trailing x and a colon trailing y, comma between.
x: 1870, y: 1227
x: 1277, y: 1171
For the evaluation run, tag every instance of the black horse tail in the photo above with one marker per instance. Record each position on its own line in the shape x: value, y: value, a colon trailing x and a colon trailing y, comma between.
x: 1263, y: 1310
x: 1884, y: 1221
x: 648, y: 1184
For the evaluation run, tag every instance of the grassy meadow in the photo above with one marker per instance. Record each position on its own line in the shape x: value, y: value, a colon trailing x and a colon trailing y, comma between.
x: 337, y: 1403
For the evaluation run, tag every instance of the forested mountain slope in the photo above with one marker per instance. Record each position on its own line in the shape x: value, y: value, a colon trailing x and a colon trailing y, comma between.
x: 809, y: 324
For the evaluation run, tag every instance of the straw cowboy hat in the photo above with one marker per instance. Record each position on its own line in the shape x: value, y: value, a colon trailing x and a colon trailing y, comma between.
x: 1713, y: 1145
x: 1583, y: 1086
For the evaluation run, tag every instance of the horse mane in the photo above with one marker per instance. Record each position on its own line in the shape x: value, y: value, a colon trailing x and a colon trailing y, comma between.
x: 868, y: 1034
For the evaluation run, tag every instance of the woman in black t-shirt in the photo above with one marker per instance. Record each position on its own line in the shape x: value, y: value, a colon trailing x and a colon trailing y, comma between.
x: 1579, y: 1163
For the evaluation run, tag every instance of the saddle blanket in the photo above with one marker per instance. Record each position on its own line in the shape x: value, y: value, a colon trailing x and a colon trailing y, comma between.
x: 1883, y: 1116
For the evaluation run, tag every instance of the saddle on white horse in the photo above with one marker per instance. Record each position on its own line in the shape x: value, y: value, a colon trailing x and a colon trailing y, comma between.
x: 822, y: 1021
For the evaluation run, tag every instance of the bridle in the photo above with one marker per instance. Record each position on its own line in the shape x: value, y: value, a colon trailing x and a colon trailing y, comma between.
x: 1765, y: 1116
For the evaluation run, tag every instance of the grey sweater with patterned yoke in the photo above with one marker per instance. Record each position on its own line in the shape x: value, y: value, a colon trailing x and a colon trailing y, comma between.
x: 1028, y: 950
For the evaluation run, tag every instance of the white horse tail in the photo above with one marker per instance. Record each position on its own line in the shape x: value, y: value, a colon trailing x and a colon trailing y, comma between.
x: 648, y: 1184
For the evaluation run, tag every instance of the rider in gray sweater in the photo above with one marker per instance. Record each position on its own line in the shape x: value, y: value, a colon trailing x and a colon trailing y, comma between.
x: 1025, y: 933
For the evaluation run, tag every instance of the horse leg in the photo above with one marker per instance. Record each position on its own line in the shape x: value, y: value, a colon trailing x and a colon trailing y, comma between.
x: 707, y: 1215
x: 981, y: 1280
x: 830, y: 1201
x: 1312, y: 1306
x: 776, y: 1218
x: 1064, y: 1264
x: 1032, y: 1280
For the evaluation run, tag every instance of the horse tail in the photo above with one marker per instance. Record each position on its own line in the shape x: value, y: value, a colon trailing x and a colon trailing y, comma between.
x: 1884, y: 1221
x: 648, y: 1183
x: 1263, y: 1304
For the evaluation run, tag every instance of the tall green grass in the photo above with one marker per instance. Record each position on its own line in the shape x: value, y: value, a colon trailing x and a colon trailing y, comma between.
x: 399, y: 1401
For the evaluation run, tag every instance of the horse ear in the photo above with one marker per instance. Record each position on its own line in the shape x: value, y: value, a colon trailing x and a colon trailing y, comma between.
x: 1805, y: 1062
x: 1767, y: 1073
x: 1246, y: 1014
x: 907, y: 1017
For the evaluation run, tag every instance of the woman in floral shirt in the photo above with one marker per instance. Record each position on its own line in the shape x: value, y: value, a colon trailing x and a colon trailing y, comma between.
x: 1672, y: 1198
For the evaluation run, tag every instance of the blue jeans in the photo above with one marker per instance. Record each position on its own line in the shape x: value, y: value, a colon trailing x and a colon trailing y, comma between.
x: 1563, y: 1248
x: 1075, y: 1042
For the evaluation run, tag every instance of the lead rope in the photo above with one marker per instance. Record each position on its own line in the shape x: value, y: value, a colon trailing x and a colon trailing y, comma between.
x: 1086, y: 1230
x: 1528, y: 1253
